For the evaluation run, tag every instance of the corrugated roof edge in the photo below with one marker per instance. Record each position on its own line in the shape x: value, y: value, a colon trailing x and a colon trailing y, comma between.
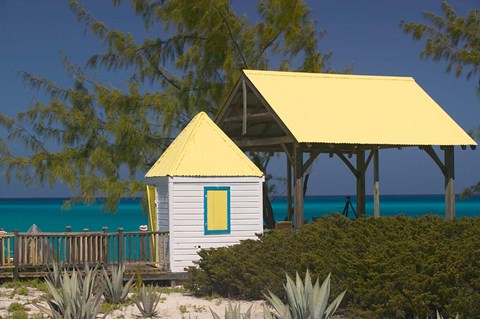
x: 329, y: 75
x: 389, y: 144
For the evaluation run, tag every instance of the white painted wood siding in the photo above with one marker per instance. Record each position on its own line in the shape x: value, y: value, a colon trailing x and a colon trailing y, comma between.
x: 162, y: 204
x: 187, y: 216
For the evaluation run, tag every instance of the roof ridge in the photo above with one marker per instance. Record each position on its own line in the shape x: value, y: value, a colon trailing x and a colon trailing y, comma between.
x: 330, y: 75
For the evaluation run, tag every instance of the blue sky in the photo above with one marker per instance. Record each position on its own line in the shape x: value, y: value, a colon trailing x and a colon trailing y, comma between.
x: 36, y: 35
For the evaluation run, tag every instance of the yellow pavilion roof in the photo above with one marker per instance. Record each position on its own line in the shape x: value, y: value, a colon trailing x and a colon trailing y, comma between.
x: 202, y: 149
x: 356, y: 109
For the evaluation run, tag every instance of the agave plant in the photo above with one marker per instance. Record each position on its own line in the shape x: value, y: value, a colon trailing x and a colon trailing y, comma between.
x: 147, y: 300
x: 76, y: 297
x: 304, y: 301
x: 233, y: 312
x: 55, y: 275
x: 440, y: 317
x: 115, y: 292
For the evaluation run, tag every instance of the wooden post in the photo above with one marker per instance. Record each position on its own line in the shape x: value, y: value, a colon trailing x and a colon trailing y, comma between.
x: 16, y: 255
x: 289, y: 189
x: 298, y: 196
x: 376, y: 184
x: 449, y: 183
x: 120, y: 246
x: 105, y: 248
x: 361, y: 183
x: 244, y: 124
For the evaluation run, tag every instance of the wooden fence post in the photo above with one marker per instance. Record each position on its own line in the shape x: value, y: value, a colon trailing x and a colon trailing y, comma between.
x: 16, y: 247
x: 106, y: 249
x: 120, y: 246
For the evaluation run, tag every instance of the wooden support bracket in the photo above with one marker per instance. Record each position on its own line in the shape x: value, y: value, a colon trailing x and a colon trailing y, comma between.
x: 431, y: 152
x: 347, y: 162
x: 310, y: 161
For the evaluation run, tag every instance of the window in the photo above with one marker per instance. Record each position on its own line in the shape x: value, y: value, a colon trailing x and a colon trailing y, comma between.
x: 217, y: 210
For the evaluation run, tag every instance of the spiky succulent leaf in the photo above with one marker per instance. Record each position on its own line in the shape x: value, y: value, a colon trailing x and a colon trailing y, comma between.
x: 75, y: 299
x: 304, y: 301
x: 147, y: 301
x: 115, y: 291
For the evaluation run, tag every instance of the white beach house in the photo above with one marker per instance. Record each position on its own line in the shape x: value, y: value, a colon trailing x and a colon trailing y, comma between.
x: 208, y: 193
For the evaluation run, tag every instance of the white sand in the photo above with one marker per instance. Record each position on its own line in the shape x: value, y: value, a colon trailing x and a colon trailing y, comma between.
x: 174, y: 305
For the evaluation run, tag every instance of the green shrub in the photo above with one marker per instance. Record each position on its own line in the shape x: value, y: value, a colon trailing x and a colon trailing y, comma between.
x: 393, y: 267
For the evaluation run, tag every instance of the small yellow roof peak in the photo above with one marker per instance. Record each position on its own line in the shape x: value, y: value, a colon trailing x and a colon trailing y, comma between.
x: 203, y: 149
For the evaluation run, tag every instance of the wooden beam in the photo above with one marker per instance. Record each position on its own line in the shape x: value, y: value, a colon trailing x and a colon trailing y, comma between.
x: 249, y: 142
x: 252, y: 117
x: 449, y: 183
x: 369, y: 158
x: 288, y: 153
x: 223, y: 109
x: 431, y: 152
x: 361, y: 184
x: 347, y: 162
x: 244, y: 122
x: 376, y: 184
x: 310, y: 160
x: 289, y: 188
x: 298, y: 190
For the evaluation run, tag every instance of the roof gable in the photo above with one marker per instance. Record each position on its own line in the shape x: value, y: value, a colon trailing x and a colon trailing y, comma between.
x: 352, y: 109
x: 202, y: 149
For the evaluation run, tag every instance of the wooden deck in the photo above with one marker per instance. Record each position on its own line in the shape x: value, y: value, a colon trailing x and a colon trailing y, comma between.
x: 30, y: 255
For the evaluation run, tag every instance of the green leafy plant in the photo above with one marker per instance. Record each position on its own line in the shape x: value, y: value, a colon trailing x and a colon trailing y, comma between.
x: 234, y: 312
x: 304, y: 301
x: 393, y: 267
x: 147, y: 300
x: 115, y: 291
x: 76, y: 298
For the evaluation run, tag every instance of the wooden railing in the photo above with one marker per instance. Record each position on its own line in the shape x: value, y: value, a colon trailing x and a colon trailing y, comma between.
x: 6, y: 250
x: 36, y: 252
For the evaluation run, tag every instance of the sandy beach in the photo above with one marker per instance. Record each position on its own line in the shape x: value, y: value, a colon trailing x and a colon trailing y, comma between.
x: 173, y: 305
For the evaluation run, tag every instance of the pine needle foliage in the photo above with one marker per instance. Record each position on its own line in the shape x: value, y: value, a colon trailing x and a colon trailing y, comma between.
x: 451, y: 38
x: 97, y: 139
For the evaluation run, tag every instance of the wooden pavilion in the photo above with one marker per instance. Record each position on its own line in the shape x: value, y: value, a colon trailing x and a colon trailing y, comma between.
x: 307, y: 114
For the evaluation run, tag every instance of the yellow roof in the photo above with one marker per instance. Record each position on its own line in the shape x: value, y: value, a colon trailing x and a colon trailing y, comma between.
x: 356, y: 109
x: 202, y: 149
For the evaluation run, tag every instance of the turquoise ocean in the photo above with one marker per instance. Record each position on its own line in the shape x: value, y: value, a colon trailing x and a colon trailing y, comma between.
x: 49, y: 216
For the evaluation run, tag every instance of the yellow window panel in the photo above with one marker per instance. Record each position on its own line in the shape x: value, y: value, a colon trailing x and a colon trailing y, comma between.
x: 217, y: 210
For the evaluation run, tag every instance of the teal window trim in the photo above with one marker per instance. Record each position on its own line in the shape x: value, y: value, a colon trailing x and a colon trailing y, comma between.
x: 205, y: 210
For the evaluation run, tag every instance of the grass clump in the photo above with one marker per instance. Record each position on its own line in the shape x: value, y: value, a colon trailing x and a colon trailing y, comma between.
x: 16, y: 306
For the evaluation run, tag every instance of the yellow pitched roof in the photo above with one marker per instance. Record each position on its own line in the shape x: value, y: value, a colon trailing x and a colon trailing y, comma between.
x: 202, y: 149
x: 356, y: 109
